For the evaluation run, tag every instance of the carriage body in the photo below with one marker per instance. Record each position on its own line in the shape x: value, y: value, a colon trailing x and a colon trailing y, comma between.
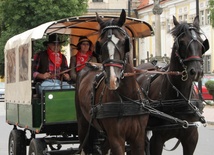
x: 50, y: 117
x: 55, y: 108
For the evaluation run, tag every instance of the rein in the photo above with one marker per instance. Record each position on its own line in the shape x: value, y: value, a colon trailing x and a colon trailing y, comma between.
x: 192, y: 106
x: 143, y: 71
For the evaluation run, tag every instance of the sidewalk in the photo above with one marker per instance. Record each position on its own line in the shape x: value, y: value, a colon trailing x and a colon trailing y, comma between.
x: 209, y: 114
x: 2, y: 108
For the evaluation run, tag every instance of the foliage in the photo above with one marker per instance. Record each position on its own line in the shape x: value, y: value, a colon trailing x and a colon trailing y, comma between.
x: 211, y: 8
x: 17, y: 16
x: 209, y: 85
x: 210, y: 102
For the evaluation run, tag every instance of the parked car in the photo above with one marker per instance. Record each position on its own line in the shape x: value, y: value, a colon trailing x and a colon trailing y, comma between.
x: 2, y: 89
x: 205, y: 93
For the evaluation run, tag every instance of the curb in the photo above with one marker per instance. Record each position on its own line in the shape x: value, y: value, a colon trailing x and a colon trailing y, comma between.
x: 210, y: 123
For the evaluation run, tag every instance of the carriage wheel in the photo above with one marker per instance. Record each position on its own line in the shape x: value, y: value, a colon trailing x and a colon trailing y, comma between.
x: 37, y: 147
x: 17, y: 142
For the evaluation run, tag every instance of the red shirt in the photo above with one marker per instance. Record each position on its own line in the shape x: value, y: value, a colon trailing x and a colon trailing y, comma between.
x: 81, y: 59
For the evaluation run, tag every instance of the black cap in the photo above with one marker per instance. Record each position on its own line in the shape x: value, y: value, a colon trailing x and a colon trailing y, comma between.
x: 53, y: 38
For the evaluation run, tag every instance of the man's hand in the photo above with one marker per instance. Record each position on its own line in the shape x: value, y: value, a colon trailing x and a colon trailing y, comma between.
x: 47, y: 75
x: 66, y: 76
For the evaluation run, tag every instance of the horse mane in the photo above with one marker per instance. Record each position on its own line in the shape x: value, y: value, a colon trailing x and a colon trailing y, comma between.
x: 184, y: 27
x: 111, y: 22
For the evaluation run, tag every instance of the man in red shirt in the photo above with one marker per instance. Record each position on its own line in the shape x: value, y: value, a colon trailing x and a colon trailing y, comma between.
x: 49, y: 64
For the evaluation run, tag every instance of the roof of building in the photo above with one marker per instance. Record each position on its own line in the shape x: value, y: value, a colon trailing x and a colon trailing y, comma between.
x: 145, y: 4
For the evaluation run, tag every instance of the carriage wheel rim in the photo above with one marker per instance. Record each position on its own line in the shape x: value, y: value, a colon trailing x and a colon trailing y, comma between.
x: 12, y: 147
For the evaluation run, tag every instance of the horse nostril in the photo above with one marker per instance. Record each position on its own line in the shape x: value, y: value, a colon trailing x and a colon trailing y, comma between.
x: 192, y: 72
x: 118, y: 80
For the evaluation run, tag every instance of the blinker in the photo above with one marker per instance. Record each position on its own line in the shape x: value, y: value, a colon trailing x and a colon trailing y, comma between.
x: 194, y: 36
x: 206, y: 46
x: 98, y: 48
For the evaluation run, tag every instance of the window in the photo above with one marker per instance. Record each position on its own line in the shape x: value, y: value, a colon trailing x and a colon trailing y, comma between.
x: 207, y: 64
x: 201, y: 17
x: 180, y: 18
x: 191, y: 18
x: 207, y: 17
x: 153, y: 25
x: 97, y: 0
x: 168, y: 26
x: 204, y: 17
x: 183, y: 14
x: 185, y: 17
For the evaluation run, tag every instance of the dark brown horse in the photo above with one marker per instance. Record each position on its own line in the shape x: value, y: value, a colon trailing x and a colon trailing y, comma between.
x: 174, y: 92
x: 106, y: 100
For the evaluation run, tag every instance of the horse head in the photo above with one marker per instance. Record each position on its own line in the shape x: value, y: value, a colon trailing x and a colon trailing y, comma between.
x: 113, y: 46
x: 188, y: 48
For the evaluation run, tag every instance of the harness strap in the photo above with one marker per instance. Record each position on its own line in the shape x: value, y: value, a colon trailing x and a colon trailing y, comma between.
x: 175, y: 147
x: 118, y: 109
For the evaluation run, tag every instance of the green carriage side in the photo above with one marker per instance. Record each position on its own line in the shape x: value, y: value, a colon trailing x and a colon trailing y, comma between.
x: 56, y: 108
x: 50, y: 117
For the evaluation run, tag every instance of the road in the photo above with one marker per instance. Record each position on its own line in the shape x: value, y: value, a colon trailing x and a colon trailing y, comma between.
x: 205, y: 144
x: 4, y: 135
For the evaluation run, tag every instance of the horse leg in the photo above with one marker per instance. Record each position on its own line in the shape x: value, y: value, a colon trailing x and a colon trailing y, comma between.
x: 117, y: 145
x: 84, y: 133
x: 137, y: 148
x: 156, y: 144
x: 189, y: 141
x: 147, y: 142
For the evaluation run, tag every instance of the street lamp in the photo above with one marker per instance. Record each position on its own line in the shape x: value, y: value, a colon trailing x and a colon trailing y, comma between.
x: 197, y: 14
x: 129, y: 8
x: 197, y: 8
x: 157, y: 11
x: 132, y: 5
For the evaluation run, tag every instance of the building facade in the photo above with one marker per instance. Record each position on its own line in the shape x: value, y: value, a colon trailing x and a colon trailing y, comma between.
x: 107, y: 7
x: 183, y: 10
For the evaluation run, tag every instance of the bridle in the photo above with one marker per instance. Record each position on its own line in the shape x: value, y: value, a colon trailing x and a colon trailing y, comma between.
x: 194, y: 38
x: 190, y: 58
x: 114, y: 62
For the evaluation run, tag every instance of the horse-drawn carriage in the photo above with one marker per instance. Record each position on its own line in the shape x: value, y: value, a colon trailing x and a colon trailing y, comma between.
x: 107, y: 103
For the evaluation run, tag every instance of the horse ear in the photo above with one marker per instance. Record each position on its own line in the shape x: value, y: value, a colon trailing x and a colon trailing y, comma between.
x: 98, y: 48
x: 206, y: 46
x: 196, y: 21
x: 175, y: 21
x: 99, y: 20
x: 122, y: 18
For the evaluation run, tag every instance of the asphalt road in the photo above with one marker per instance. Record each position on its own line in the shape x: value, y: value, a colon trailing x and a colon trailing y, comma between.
x: 4, y: 135
x: 205, y: 144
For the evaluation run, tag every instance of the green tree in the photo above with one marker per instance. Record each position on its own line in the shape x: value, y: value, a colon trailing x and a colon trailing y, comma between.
x: 17, y: 16
x: 211, y: 5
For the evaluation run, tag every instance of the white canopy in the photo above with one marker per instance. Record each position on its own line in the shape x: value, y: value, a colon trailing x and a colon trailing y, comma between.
x: 18, y: 49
